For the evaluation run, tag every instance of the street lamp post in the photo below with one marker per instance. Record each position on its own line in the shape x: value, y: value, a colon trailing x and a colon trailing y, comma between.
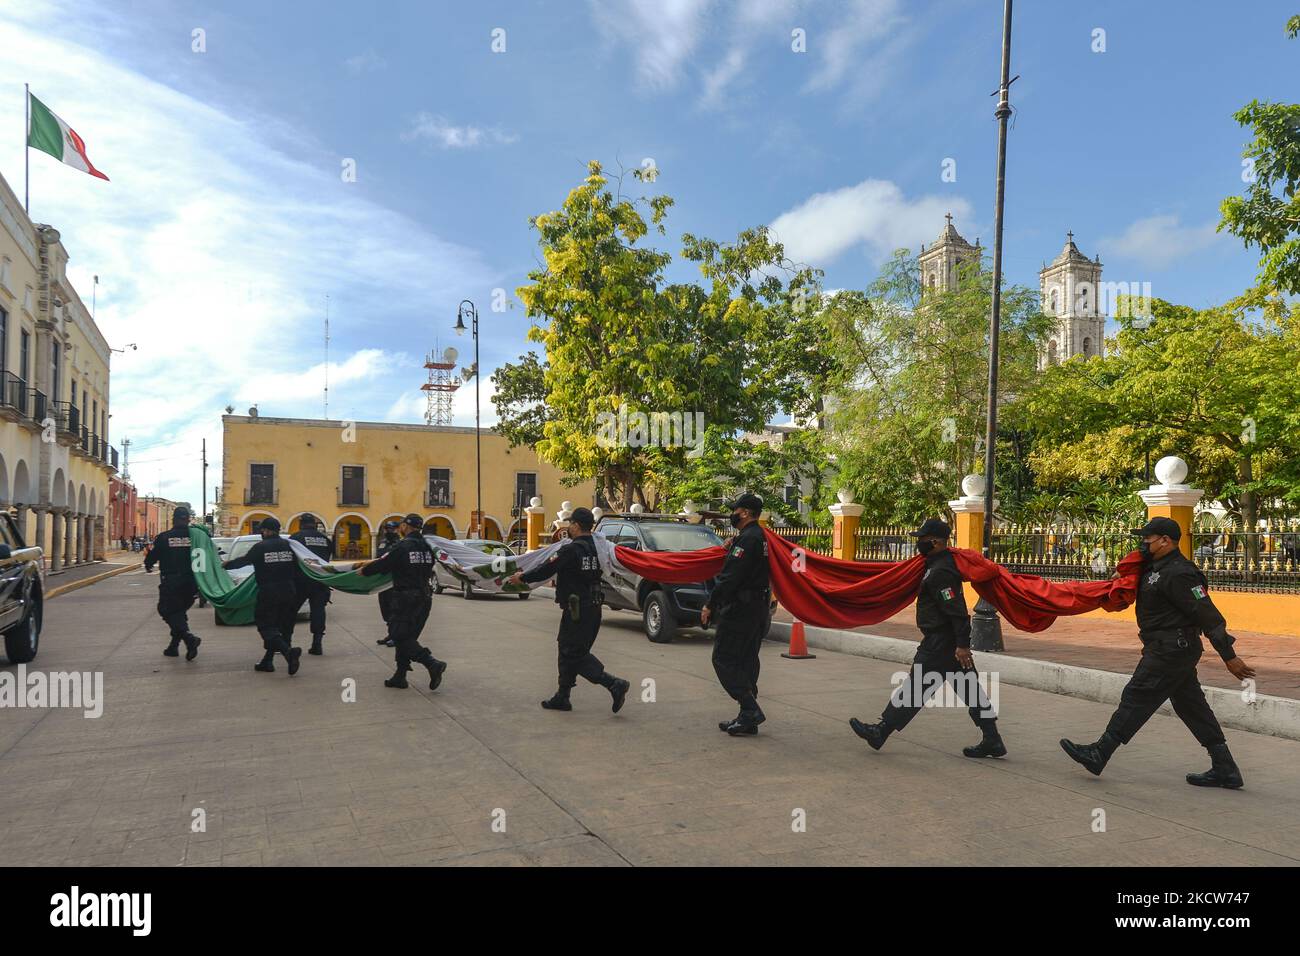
x: 986, y: 629
x: 472, y: 312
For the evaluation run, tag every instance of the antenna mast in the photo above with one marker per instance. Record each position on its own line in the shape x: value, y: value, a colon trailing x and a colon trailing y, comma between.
x: 441, y: 386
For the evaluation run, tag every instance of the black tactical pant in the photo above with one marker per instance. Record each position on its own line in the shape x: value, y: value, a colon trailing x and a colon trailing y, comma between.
x: 316, y: 596
x: 274, y: 617
x: 1166, y: 672
x: 407, y: 613
x: 575, y: 640
x: 735, y: 650
x: 934, y: 664
x: 175, y: 598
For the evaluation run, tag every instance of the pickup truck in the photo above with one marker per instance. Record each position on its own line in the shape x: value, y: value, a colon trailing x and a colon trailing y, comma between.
x: 22, y: 590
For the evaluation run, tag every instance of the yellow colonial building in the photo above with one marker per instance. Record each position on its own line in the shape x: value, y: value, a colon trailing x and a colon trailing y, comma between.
x: 55, y: 459
x: 354, y: 476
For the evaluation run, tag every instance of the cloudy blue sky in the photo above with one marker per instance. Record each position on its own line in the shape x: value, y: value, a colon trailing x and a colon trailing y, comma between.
x: 227, y: 221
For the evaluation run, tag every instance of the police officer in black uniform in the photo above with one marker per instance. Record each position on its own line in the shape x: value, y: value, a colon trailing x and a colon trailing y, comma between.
x: 410, y: 562
x: 390, y: 538
x: 176, y: 585
x: 576, y: 568
x: 1173, y: 610
x: 741, y: 600
x: 309, y: 590
x: 943, y: 654
x: 275, y: 567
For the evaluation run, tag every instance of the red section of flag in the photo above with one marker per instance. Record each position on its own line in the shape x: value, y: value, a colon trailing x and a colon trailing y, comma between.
x: 80, y: 146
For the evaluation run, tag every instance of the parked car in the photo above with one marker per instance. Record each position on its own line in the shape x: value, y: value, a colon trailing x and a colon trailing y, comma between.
x: 446, y: 579
x: 664, y: 608
x: 22, y: 593
x: 223, y: 546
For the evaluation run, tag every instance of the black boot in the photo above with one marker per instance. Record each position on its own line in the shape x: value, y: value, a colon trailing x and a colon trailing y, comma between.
x: 436, y: 669
x: 316, y: 650
x: 266, y: 665
x: 1092, y: 756
x: 746, y: 722
x: 173, y: 649
x: 560, y: 701
x: 192, y: 642
x: 398, y: 680
x: 724, y: 724
x: 1223, y: 770
x: 990, y: 746
x: 618, y: 689
x: 294, y: 655
x: 874, y: 734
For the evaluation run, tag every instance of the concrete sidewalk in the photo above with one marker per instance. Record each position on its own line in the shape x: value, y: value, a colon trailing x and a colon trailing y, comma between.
x: 1112, y: 645
x: 332, y: 768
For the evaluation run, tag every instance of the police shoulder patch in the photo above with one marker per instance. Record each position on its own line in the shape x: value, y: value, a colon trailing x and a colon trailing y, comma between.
x: 947, y: 594
x: 737, y: 551
x: 1198, y: 592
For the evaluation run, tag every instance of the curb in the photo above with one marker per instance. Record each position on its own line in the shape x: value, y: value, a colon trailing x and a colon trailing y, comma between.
x: 84, y: 582
x: 1275, y: 716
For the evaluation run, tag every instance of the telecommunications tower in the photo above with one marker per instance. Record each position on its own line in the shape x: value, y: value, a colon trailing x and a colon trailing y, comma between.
x: 440, y: 387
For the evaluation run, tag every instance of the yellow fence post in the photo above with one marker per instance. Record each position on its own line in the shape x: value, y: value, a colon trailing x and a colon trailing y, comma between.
x: 536, y: 522
x: 844, y: 537
x: 1173, y: 499
x: 968, y: 511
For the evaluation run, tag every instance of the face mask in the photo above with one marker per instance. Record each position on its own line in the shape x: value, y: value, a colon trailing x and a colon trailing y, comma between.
x: 1144, y: 547
x: 736, y: 519
x: 924, y: 547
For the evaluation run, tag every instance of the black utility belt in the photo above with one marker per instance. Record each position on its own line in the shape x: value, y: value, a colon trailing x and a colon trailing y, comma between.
x: 1181, y: 637
x: 752, y: 596
x: 596, y: 597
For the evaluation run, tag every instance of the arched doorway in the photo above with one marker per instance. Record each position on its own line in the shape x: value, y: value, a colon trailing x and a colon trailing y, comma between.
x: 352, y: 538
x: 440, y: 525
x: 491, y: 529
x: 251, y: 521
x: 295, y: 523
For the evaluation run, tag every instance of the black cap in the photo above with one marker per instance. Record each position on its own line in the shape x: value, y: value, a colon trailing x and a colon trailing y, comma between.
x: 414, y: 520
x: 583, y: 518
x: 932, y: 528
x: 392, y: 525
x: 181, y: 514
x: 1166, y: 526
x: 269, y: 523
x: 749, y: 502
x: 307, y: 521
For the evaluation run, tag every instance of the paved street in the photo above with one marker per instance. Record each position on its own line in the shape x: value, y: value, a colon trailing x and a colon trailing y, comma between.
x: 289, y: 773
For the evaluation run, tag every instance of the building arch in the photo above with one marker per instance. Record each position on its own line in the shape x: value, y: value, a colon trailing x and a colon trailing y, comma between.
x: 4, y: 481
x: 295, y: 523
x: 72, y: 497
x: 353, y: 537
x: 22, y: 484
x: 442, y: 526
x: 1051, y: 352
x: 518, y: 531
x: 1087, y: 346
x: 59, y: 490
x: 491, y: 530
x: 250, y: 519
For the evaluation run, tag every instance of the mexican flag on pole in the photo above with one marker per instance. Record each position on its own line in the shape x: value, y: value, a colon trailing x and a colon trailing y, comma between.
x: 49, y: 134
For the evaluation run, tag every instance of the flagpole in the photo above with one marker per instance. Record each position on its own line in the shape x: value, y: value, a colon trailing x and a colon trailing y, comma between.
x: 27, y: 153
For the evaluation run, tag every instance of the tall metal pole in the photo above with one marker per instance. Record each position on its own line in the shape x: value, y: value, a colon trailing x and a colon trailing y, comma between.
x: 203, y: 515
x: 27, y: 153
x: 1002, y: 112
x: 478, y: 444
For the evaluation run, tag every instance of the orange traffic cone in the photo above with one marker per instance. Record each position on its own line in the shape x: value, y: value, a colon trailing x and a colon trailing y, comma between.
x: 798, y: 644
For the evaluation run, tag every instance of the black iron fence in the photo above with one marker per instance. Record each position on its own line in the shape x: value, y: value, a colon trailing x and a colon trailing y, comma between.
x: 1237, y: 560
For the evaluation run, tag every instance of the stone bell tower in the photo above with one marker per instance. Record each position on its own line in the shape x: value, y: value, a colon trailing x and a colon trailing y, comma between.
x: 1070, y: 288
x: 939, y: 264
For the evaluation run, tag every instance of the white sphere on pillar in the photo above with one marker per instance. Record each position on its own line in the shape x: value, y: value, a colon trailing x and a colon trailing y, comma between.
x: 1171, y: 470
x: 973, y: 486
x: 637, y: 508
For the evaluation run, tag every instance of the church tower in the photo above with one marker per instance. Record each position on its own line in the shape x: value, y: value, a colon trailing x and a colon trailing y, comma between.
x: 1070, y: 287
x: 939, y: 263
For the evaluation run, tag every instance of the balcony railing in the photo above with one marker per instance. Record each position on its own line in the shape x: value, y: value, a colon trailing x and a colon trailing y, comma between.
x: 439, y: 499
x: 350, y: 499
x: 13, y: 393
x: 261, y: 496
x: 38, y: 406
x: 67, y: 419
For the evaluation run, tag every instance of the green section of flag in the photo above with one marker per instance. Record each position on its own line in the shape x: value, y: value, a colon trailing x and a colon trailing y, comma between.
x: 44, y: 132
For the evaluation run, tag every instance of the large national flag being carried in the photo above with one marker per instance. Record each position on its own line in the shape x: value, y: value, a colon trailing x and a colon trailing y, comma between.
x: 49, y: 134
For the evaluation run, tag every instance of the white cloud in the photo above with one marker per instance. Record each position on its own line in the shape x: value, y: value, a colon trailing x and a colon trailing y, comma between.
x: 843, y: 52
x: 874, y: 214
x: 663, y: 33
x: 1159, y: 241
x: 717, y: 80
x: 365, y: 62
x: 442, y: 132
x: 215, y: 252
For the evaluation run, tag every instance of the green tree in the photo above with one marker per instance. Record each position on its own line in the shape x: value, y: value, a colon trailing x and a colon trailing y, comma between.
x: 910, y: 399
x: 1268, y: 216
x: 1216, y: 386
x: 620, y: 343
